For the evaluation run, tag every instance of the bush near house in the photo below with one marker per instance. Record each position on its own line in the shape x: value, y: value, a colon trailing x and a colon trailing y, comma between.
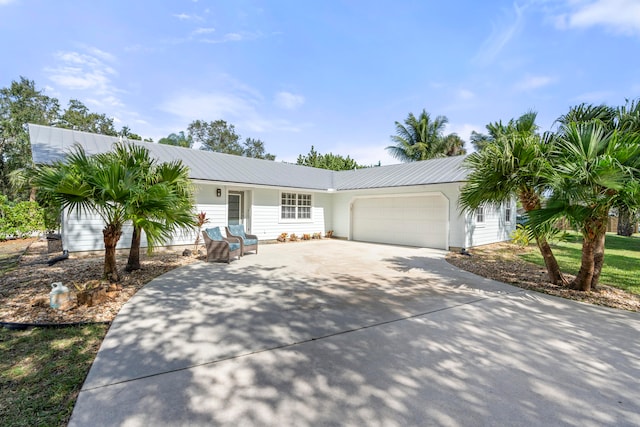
x: 19, y: 220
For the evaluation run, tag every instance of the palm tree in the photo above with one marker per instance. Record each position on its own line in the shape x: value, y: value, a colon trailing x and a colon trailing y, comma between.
x: 421, y: 138
x: 511, y: 164
x: 160, y: 203
x: 627, y: 120
x: 593, y: 168
x: 99, y: 184
x: 523, y: 125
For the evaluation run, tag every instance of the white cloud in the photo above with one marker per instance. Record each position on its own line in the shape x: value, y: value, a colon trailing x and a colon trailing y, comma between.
x: 187, y: 17
x: 234, y: 37
x: 534, y: 82
x: 617, y: 16
x: 595, y: 97
x: 5, y: 2
x: 288, y: 100
x: 243, y: 108
x: 88, y: 72
x: 465, y: 94
x: 500, y: 36
x: 198, y: 31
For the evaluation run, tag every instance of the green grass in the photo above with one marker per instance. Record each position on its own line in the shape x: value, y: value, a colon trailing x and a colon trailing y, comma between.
x: 621, y: 259
x: 42, y: 371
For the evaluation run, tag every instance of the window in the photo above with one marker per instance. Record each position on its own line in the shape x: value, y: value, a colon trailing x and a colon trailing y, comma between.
x: 507, y: 214
x: 480, y: 215
x: 295, y: 206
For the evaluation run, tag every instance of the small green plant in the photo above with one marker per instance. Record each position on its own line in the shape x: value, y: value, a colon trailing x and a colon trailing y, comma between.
x: 317, y: 236
x: 293, y: 237
x: 282, y: 237
x: 521, y: 236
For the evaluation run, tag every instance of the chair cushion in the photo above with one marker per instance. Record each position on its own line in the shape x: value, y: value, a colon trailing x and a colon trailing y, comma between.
x: 249, y: 242
x: 237, y: 230
x: 214, y: 233
x: 234, y: 246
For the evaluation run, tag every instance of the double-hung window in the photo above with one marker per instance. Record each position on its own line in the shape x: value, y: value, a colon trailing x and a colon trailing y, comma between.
x: 507, y: 214
x: 480, y: 215
x: 295, y: 206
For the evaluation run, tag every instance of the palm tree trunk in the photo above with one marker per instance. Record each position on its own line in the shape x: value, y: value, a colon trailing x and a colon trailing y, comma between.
x: 598, y: 259
x: 111, y: 234
x: 553, y: 269
x: 583, y: 280
x: 133, y: 263
x: 625, y: 225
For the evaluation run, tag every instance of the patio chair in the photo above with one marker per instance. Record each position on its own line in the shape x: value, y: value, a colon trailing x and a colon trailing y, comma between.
x: 221, y: 248
x: 249, y: 242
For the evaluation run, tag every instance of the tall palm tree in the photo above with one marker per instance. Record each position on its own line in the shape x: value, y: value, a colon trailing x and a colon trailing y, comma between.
x: 512, y: 164
x: 524, y: 125
x: 420, y: 138
x: 593, y: 168
x: 99, y: 184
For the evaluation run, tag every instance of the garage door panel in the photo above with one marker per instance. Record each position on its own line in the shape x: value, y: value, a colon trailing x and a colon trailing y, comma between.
x: 413, y: 221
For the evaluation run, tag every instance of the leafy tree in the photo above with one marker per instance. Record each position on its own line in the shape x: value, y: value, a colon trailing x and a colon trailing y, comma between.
x: 20, y: 219
x: 512, y: 163
x: 177, y: 139
x: 78, y: 117
x: 255, y: 148
x: 21, y: 103
x: 216, y: 136
x: 327, y: 161
x: 628, y: 121
x: 421, y: 138
x: 125, y: 132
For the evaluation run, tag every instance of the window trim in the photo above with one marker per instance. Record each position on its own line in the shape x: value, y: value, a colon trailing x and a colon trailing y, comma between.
x: 299, y: 206
x: 479, y: 216
x: 509, y: 219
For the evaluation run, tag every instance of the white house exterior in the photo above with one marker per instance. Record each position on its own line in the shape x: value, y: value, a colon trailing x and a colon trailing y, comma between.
x: 414, y: 204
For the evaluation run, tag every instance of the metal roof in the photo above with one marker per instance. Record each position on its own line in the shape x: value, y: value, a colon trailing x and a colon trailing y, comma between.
x: 49, y: 144
x: 434, y: 171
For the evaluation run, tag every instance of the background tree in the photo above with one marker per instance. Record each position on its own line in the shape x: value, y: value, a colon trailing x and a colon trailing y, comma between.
x: 524, y: 125
x: 628, y: 121
x: 421, y: 138
x: 21, y: 103
x: 512, y: 163
x: 177, y: 139
x: 125, y: 132
x: 216, y: 136
x: 327, y: 161
x: 78, y: 117
x: 255, y: 148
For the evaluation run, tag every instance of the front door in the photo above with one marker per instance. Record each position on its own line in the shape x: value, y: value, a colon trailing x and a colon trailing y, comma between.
x: 235, y: 209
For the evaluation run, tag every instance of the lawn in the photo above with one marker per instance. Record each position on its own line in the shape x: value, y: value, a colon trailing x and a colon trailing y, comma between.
x: 41, y: 372
x: 621, y: 259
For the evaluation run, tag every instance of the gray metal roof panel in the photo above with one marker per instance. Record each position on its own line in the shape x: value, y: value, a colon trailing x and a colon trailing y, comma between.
x: 49, y: 144
x: 434, y: 171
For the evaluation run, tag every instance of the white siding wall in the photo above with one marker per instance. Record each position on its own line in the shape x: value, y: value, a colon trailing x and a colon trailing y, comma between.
x: 494, y: 229
x: 267, y: 224
x: 342, y: 205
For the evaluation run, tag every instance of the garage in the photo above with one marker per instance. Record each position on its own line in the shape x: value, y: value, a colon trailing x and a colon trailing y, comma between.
x: 418, y: 220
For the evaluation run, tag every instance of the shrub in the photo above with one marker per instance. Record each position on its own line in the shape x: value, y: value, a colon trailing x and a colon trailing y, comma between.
x: 317, y: 236
x: 306, y: 236
x: 282, y: 237
x: 20, y: 219
x: 293, y: 237
x: 329, y: 234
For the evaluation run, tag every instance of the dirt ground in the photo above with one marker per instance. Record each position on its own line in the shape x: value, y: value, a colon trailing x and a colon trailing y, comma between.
x: 24, y: 291
x: 500, y: 262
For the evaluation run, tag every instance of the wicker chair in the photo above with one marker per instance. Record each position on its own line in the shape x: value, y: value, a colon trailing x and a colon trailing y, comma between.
x: 249, y: 242
x: 221, y: 248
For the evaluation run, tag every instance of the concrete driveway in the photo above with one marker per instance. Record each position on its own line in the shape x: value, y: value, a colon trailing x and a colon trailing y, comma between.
x: 347, y: 333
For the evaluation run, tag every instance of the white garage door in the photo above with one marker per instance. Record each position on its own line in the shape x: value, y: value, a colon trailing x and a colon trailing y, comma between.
x: 412, y: 221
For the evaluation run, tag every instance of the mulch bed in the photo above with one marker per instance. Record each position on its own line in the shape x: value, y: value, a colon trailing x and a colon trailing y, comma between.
x: 24, y: 291
x: 500, y: 262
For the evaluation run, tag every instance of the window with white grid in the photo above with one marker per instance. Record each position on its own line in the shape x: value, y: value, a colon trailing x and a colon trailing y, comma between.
x: 480, y: 215
x: 294, y: 206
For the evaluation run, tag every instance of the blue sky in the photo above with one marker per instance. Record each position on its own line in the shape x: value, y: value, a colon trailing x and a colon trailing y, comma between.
x: 333, y: 74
